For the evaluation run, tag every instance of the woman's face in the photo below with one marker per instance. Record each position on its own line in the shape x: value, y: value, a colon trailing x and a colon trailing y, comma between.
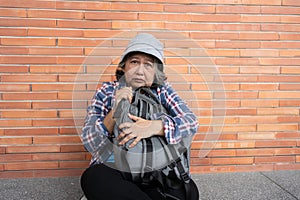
x: 139, y: 70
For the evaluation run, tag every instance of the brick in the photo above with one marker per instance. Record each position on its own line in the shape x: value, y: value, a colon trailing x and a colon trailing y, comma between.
x: 275, y: 159
x: 280, y: 27
x: 30, y: 96
x: 15, y: 105
x: 28, y: 78
x: 291, y: 2
x: 278, y: 78
x: 164, y: 17
x: 8, y: 50
x: 238, y: 44
x: 19, y: 22
x: 218, y: 153
x: 57, y: 14
x: 277, y: 127
x: 260, y: 19
x: 297, y: 159
x: 72, y: 148
x: 149, y: 7
x: 15, y: 87
x: 56, y: 139
x: 28, y: 4
x: 87, y: 5
x: 255, y: 168
x: 236, y: 95
x: 29, y: 114
x: 30, y: 165
x: 289, y: 53
x: 15, y: 157
x: 8, y: 12
x: 245, y: 86
x: 15, y: 140
x: 58, y: 156
x: 238, y: 9
x: 259, y: 103
x: 15, y: 123
x: 215, y: 35
x: 232, y: 161
x: 280, y: 10
x: 258, y: 119
x: 278, y: 61
x: 2, y: 150
x: 111, y: 15
x: 288, y: 119
x: 69, y: 131
x: 137, y: 24
x: 290, y: 70
x: 236, y: 27
x: 13, y: 31
x: 28, y: 41
x: 91, y: 33
x: 277, y: 111
x: 258, y: 36
x: 14, y: 69
x: 289, y: 103
x: 289, y: 86
x: 215, y: 18
x: 260, y: 69
x: 15, y: 174
x: 74, y: 164
x: 275, y: 143
x: 255, y: 152
x: 53, y: 122
x: 189, y: 8
x: 32, y: 149
x: 55, y: 51
x: 31, y: 131
x: 187, y: 26
x: 238, y: 61
x: 280, y: 45
x: 259, y: 52
x: 200, y: 161
x: 289, y: 36
x: 55, y: 105
x: 283, y: 135
x: 279, y: 95
x: 256, y: 136
x: 239, y: 111
x: 81, y: 42
x: 284, y: 166
x: 287, y: 151
x: 65, y: 69
x: 58, y: 87
x: 83, y: 24
x: 53, y: 32
x: 28, y: 60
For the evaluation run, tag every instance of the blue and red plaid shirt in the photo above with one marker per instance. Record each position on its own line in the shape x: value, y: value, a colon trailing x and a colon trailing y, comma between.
x: 180, y: 121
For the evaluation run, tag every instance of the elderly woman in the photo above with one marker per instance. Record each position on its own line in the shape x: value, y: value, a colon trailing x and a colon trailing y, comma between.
x: 141, y: 66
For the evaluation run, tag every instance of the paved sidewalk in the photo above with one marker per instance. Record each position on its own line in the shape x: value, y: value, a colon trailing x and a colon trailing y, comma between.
x: 275, y: 185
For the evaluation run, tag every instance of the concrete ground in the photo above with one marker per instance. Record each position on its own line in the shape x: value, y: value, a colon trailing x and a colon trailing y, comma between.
x: 275, y: 185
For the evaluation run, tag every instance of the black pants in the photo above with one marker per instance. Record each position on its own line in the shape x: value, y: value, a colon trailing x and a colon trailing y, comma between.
x: 100, y: 182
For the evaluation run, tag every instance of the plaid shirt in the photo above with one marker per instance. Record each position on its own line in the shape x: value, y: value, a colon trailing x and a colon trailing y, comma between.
x: 180, y: 121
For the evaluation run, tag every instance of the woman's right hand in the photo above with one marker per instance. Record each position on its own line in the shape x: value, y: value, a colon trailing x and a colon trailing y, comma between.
x: 123, y: 93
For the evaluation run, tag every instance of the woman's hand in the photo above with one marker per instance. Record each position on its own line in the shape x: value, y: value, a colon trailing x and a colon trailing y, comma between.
x: 139, y: 129
x: 123, y: 93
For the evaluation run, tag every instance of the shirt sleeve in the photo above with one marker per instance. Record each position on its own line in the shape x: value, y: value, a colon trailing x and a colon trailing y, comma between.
x: 180, y: 120
x: 94, y: 133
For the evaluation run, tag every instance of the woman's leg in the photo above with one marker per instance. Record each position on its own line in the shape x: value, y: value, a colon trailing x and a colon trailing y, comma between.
x: 100, y: 182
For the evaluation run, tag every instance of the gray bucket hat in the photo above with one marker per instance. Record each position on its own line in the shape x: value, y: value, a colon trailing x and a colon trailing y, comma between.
x: 146, y: 43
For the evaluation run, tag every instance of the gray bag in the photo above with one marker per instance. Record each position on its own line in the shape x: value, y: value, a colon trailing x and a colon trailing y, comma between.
x: 150, y: 154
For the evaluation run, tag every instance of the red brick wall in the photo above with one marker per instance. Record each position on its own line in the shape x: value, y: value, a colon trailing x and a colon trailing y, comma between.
x: 235, y: 62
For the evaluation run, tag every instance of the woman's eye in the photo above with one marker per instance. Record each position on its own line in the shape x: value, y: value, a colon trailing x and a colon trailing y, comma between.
x: 149, y: 65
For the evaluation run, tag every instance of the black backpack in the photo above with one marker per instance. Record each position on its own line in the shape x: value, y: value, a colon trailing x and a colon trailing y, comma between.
x: 152, y: 160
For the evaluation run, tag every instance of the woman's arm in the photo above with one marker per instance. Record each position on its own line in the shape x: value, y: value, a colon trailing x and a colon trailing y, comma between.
x: 180, y: 120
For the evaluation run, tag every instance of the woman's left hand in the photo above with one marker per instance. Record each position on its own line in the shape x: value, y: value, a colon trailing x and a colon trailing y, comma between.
x: 139, y: 129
